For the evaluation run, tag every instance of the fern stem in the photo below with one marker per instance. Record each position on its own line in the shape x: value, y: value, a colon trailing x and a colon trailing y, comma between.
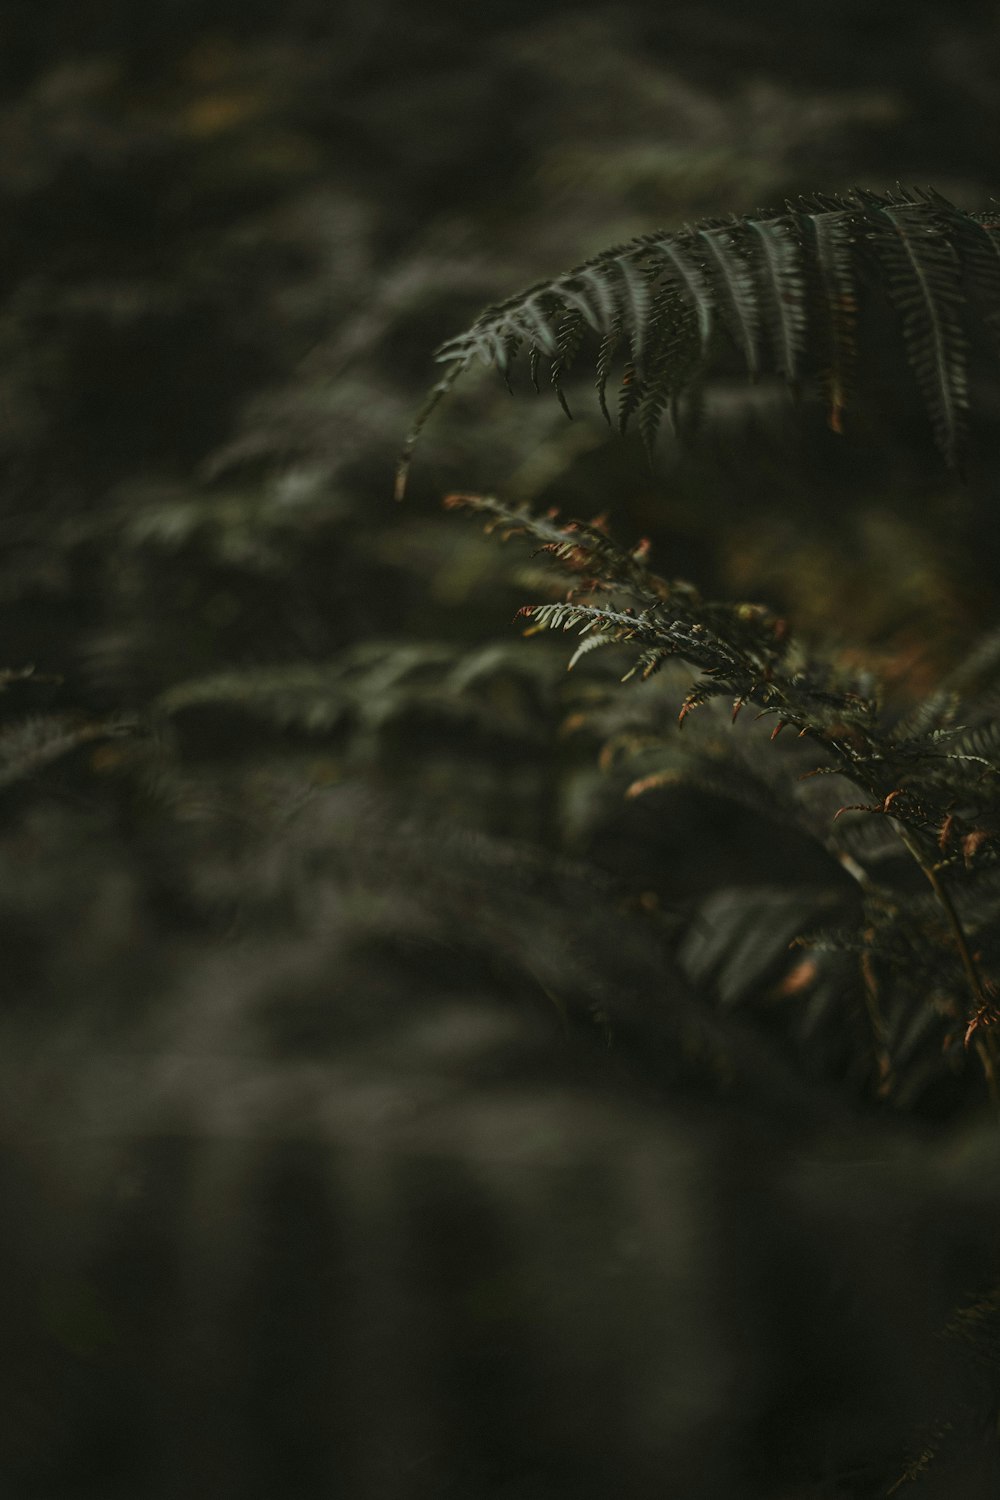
x: 985, y: 1046
x: 954, y: 921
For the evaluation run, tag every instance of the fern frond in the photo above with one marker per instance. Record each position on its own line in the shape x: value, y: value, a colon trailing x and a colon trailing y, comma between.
x: 630, y: 396
x: 580, y: 547
x: 732, y: 277
x: 676, y: 363
x: 782, y: 285
x: 633, y: 296
x: 689, y: 283
x: 569, y: 339
x: 922, y: 277
x: 605, y: 359
x: 832, y: 232
x: 435, y: 396
x: 590, y: 643
x: 977, y: 244
x: 589, y: 290
x: 781, y: 278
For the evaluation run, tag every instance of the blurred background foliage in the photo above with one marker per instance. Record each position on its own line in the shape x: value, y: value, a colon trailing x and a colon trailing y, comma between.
x: 282, y: 752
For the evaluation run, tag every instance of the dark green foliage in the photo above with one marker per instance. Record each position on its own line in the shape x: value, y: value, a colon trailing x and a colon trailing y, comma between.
x: 787, y: 288
x: 922, y: 274
x: 934, y: 782
x: 393, y: 1106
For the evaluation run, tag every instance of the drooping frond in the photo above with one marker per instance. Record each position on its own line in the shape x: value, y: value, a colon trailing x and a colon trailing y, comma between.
x: 782, y: 283
x: 832, y: 265
x: 782, y: 287
x: 437, y: 394
x: 731, y: 274
x: 976, y: 240
x: 922, y: 275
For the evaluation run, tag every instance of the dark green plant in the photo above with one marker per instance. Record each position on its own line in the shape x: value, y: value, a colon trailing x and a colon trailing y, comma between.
x: 789, y: 291
x: 916, y: 960
x: 927, y: 957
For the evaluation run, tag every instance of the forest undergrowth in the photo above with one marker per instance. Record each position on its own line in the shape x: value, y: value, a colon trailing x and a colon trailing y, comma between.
x: 429, y: 1072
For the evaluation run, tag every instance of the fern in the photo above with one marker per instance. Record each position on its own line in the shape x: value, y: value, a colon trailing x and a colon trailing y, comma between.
x: 922, y: 275
x: 785, y: 289
x: 927, y: 962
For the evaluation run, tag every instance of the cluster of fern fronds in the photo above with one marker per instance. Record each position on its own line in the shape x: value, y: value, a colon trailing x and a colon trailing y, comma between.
x: 917, y: 958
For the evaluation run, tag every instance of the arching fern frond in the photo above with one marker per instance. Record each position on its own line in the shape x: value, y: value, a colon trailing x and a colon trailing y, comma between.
x: 784, y: 289
x: 831, y: 265
x: 732, y: 278
x: 923, y: 279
